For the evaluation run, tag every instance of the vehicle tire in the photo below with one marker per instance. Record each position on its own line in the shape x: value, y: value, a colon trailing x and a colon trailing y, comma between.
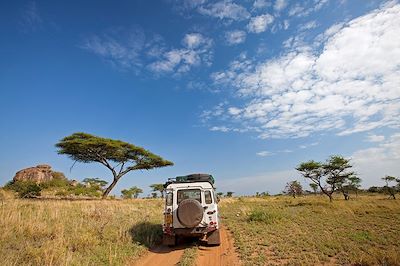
x: 169, y: 240
x: 213, y: 239
x: 190, y: 213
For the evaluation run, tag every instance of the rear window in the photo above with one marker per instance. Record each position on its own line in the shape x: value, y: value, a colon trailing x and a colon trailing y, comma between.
x: 189, y: 194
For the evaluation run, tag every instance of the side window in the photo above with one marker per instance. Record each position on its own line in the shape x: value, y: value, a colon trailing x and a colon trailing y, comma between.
x: 207, y: 197
x: 168, y: 199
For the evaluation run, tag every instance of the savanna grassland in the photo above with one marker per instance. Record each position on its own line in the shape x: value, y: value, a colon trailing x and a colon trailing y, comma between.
x: 92, y: 232
x: 310, y: 230
x: 267, y: 231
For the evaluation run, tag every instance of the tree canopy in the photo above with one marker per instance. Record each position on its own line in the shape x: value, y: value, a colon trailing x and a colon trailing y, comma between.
x: 293, y: 188
x: 118, y: 156
x: 131, y: 192
x: 329, y: 176
x: 158, y: 187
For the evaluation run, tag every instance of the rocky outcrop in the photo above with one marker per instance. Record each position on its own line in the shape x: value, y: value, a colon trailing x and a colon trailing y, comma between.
x: 39, y: 174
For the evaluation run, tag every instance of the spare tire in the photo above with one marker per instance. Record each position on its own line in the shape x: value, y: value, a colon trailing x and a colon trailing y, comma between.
x: 190, y: 212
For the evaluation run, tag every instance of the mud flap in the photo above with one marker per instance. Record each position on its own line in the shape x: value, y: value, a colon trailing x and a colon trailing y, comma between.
x: 168, y: 240
x: 213, y: 238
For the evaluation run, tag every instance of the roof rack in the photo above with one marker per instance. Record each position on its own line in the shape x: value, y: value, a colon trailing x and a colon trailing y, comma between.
x: 190, y: 179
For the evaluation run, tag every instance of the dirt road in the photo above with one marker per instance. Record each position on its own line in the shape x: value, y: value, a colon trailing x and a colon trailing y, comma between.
x: 221, y: 255
x: 211, y: 256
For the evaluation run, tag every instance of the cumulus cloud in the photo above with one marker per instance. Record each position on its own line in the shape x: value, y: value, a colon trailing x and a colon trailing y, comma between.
x: 196, y: 50
x: 374, y: 163
x: 259, y: 24
x: 280, y: 5
x: 129, y: 49
x: 225, y: 10
x: 259, y: 4
x: 235, y: 37
x: 349, y: 84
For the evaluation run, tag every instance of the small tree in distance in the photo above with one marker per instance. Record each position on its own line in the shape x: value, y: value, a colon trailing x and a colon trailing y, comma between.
x: 293, y: 188
x: 389, y: 188
x: 131, y: 192
x: 118, y: 156
x: 95, y: 182
x: 158, y: 188
x: 229, y: 194
x: 329, y: 175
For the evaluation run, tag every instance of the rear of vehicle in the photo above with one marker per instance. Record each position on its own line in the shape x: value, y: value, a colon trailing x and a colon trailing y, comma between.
x: 191, y: 210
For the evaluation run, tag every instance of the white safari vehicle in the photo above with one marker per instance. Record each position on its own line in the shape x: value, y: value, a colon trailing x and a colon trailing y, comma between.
x: 191, y: 209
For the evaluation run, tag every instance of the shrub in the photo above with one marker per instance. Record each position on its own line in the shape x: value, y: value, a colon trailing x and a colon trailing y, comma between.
x: 262, y: 216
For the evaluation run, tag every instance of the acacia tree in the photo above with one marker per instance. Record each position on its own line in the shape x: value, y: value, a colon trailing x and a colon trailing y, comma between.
x: 131, y: 192
x: 158, y: 188
x: 118, y: 156
x: 391, y: 190
x: 329, y: 175
x: 293, y: 188
x: 351, y: 183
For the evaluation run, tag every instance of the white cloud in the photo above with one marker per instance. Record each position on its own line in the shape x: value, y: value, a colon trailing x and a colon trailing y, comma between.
x: 118, y: 46
x: 259, y: 4
x: 375, y: 138
x: 303, y: 11
x: 222, y: 129
x: 308, y: 26
x: 235, y: 37
x: 349, y: 85
x: 196, y: 51
x: 264, y: 153
x: 194, y: 40
x: 225, y: 10
x: 260, y: 23
x: 280, y: 5
x: 374, y: 163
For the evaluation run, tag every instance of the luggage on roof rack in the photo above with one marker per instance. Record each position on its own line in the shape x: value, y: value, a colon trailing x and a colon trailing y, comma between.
x: 196, y: 178
x: 191, y: 178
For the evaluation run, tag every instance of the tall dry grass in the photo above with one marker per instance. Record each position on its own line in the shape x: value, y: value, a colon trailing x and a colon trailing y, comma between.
x: 311, y: 231
x: 111, y: 232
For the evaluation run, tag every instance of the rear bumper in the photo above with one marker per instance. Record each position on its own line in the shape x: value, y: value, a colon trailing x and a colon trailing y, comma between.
x: 197, y: 231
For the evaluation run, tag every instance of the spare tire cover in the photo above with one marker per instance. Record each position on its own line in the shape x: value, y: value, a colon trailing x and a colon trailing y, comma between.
x: 190, y: 212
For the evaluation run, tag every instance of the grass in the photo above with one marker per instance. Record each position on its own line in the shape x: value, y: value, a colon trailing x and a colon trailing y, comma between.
x: 310, y: 230
x: 267, y: 231
x: 189, y: 256
x: 58, y: 232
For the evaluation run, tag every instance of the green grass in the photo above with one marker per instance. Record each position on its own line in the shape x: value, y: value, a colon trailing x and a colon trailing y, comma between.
x: 59, y: 232
x: 189, y: 257
x: 310, y: 230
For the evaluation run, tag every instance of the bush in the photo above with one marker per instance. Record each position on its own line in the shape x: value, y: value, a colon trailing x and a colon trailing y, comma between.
x: 25, y: 189
x: 262, y: 216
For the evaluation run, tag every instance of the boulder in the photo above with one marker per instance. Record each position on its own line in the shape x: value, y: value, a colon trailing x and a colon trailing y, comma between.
x: 38, y: 174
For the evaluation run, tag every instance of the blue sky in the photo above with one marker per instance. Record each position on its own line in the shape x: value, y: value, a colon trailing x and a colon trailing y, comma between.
x: 245, y: 90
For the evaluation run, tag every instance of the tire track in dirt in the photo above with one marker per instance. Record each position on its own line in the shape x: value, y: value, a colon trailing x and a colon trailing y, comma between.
x: 222, y: 255
x: 160, y: 256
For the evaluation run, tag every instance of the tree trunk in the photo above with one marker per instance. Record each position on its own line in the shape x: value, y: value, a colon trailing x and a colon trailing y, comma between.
x: 110, y: 187
x: 330, y: 197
